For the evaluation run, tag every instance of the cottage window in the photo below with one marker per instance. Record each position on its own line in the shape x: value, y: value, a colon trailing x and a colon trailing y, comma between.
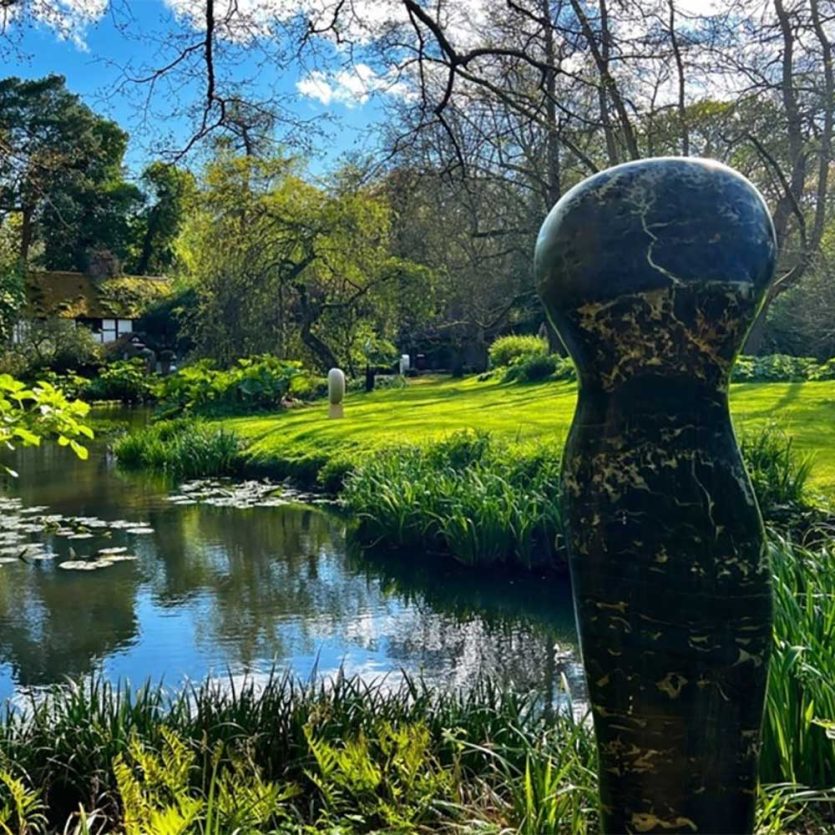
x: 108, y: 330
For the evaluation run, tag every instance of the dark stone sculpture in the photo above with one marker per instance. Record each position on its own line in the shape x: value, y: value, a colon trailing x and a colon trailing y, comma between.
x: 652, y: 272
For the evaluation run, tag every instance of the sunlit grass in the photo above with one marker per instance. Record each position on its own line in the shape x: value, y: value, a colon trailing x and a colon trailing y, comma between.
x: 430, y: 407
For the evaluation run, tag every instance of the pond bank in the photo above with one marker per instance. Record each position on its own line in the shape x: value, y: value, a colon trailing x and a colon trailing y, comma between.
x: 476, y: 497
x: 300, y: 442
x: 277, y: 755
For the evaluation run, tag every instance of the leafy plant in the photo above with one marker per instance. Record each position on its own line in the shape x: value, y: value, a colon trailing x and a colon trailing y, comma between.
x: 507, y: 349
x: 28, y: 415
x: 21, y: 808
x: 252, y: 384
x: 387, y: 777
x: 124, y: 380
x: 780, y: 368
x: 158, y: 795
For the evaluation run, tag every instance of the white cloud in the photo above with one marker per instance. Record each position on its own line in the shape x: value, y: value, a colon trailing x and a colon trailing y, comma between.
x: 349, y: 87
x: 316, y: 86
x: 69, y: 19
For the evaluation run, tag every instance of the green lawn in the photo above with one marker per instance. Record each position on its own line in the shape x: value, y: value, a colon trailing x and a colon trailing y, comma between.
x: 430, y: 407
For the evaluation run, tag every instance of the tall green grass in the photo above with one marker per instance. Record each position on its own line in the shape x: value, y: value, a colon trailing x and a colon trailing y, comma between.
x: 470, y: 496
x: 184, y: 448
x: 799, y: 745
x: 344, y: 755
x: 488, y: 502
x: 780, y: 475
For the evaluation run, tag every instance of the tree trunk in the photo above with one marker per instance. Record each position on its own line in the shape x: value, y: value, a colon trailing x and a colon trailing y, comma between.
x: 325, y: 357
x: 26, y: 235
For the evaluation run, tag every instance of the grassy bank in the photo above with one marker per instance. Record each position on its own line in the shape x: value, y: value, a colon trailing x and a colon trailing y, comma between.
x: 482, y: 497
x: 301, y: 441
x: 357, y: 757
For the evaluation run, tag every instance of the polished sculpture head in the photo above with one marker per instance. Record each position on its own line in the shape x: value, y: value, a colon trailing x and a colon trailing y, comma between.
x: 656, y: 267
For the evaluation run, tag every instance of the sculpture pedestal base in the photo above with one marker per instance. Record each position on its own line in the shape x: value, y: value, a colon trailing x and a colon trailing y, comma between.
x: 335, y: 411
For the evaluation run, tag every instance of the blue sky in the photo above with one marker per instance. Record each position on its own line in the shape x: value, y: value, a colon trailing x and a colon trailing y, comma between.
x: 94, y: 54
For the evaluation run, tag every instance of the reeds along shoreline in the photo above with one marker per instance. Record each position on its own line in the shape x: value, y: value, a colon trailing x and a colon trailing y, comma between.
x: 479, y: 500
x: 353, y: 756
x: 286, y: 756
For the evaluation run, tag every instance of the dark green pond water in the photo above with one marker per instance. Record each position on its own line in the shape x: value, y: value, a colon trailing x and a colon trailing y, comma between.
x: 222, y: 589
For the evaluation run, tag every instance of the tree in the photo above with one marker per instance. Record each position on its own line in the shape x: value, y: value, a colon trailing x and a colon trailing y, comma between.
x: 474, y: 236
x: 550, y: 90
x: 12, y: 294
x: 60, y: 172
x: 283, y: 266
x: 168, y: 193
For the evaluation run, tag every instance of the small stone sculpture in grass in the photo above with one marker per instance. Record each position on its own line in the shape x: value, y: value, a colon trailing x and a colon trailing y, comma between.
x: 336, y: 393
x: 652, y: 272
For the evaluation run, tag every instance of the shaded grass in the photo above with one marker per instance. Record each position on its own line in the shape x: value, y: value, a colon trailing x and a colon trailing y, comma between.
x: 304, y: 440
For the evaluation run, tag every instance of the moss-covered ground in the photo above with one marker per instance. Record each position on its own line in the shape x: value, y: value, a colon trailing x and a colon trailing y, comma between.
x: 430, y: 406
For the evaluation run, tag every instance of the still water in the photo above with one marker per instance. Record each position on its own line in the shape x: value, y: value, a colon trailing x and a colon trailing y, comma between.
x: 228, y: 590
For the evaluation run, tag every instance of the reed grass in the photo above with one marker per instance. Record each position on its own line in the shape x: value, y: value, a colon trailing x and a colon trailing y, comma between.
x: 183, y: 448
x: 344, y: 755
x: 799, y: 744
x: 470, y: 496
x: 484, y: 501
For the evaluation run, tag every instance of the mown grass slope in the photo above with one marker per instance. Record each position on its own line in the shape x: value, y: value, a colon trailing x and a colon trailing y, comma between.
x: 431, y: 407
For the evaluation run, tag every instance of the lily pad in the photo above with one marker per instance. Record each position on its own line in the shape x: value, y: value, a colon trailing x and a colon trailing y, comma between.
x: 85, y: 565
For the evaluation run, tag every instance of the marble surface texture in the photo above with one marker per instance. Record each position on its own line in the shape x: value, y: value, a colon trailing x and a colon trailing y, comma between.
x: 653, y: 272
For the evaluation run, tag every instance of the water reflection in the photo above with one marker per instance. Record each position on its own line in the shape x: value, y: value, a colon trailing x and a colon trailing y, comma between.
x: 222, y: 588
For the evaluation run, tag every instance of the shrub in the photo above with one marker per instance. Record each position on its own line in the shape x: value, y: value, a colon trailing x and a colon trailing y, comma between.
x: 125, y: 380
x: 252, y: 384
x: 825, y: 371
x: 57, y: 345
x: 72, y: 385
x: 531, y: 369
x: 507, y: 349
x: 776, y: 368
x: 534, y: 369
x: 184, y: 448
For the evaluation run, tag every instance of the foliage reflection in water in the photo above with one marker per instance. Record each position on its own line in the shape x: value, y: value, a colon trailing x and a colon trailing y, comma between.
x: 219, y: 589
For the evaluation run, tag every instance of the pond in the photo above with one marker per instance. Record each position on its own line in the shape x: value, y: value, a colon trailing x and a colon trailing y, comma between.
x: 222, y: 587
